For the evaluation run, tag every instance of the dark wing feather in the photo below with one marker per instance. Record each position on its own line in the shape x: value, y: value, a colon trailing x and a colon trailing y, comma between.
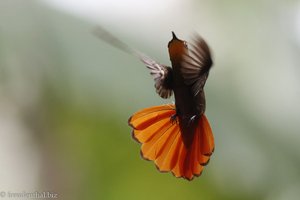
x: 196, y: 64
x: 162, y: 76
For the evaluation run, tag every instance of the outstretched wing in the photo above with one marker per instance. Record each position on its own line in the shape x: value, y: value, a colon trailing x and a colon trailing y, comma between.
x: 162, y: 76
x: 196, y: 64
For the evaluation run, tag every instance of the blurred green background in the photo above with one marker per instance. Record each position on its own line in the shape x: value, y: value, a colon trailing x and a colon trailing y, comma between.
x: 65, y: 97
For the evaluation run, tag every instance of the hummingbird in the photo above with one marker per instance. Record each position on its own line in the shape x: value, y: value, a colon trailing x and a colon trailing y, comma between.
x: 177, y: 137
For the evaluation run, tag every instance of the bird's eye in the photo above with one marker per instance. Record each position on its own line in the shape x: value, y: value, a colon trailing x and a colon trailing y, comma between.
x: 185, y: 44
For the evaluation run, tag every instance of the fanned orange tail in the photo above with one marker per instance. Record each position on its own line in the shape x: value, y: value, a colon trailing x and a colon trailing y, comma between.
x: 162, y: 141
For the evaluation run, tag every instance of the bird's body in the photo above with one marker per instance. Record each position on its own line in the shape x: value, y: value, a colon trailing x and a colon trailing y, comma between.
x: 178, y: 138
x: 188, y: 103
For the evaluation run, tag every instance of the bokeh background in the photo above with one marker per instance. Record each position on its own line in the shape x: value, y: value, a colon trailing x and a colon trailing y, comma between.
x: 65, y: 97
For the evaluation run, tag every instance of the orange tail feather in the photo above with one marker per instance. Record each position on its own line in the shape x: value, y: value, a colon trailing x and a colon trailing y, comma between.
x: 162, y: 141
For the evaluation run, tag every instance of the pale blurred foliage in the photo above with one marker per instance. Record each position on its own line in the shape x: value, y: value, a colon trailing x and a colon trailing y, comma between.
x: 65, y: 97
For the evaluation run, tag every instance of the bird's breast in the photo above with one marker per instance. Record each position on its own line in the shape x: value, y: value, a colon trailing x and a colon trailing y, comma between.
x: 187, y: 105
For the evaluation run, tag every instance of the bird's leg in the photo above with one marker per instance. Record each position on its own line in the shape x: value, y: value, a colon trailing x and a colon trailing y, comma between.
x: 173, y: 119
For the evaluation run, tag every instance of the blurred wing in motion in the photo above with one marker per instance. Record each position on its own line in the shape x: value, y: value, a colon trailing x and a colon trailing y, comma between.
x: 109, y: 38
x: 162, y: 142
x: 161, y: 74
x: 196, y: 64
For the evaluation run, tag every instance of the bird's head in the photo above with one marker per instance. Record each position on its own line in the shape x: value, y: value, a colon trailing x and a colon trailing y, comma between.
x: 177, y: 48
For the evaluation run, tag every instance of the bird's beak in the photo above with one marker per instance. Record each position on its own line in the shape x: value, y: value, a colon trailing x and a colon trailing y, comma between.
x: 174, y: 36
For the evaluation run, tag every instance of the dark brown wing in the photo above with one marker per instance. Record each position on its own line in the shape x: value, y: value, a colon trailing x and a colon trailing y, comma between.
x: 162, y: 76
x: 196, y: 64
